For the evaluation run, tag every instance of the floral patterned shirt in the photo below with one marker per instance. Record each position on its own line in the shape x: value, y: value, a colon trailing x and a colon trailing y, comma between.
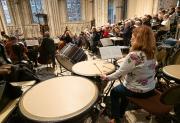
x: 139, y: 72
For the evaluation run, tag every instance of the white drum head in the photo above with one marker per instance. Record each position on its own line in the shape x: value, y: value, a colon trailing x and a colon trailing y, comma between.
x: 93, y: 68
x: 58, y: 99
x: 172, y: 71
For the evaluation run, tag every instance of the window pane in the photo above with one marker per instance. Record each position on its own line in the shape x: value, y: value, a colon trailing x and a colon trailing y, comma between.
x: 36, y: 7
x: 111, y: 11
x: 74, y: 10
x: 6, y: 11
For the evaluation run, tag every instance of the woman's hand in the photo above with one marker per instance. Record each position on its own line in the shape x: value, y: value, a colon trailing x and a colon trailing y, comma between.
x: 104, y: 77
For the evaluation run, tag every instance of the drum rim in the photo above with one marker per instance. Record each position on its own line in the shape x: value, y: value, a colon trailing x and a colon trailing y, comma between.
x: 60, y: 118
x: 84, y: 74
x: 168, y: 74
x: 64, y: 57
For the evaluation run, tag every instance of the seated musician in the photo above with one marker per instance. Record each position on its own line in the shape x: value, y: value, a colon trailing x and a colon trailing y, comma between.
x: 116, y: 31
x: 138, y: 23
x: 67, y: 37
x: 47, y: 50
x: 12, y: 40
x: 165, y: 25
x: 18, y: 34
x: 106, y: 31
x: 81, y: 40
x: 94, y: 39
x: 16, y: 50
x: 139, y: 70
x: 126, y: 33
x: 14, y: 73
x: 155, y: 22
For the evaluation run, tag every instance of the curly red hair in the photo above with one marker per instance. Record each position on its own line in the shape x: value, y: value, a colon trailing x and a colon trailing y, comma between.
x: 143, y: 40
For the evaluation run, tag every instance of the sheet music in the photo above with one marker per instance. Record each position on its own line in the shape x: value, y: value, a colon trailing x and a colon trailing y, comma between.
x: 116, y: 38
x: 106, y: 42
x: 110, y: 52
x: 56, y: 40
x: 32, y: 42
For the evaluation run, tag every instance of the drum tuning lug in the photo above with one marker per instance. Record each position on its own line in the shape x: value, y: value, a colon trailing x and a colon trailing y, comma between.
x: 172, y: 81
x: 101, y: 95
x: 103, y: 105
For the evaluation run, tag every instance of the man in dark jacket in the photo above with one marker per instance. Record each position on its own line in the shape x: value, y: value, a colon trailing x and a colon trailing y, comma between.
x: 48, y: 49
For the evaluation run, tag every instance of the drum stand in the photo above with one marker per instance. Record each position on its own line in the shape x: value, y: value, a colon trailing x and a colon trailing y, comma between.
x: 100, y: 107
x: 106, y: 92
x: 62, y: 70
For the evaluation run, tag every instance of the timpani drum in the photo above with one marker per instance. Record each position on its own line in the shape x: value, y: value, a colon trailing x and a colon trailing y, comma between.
x: 162, y: 53
x: 176, y: 58
x: 63, y: 99
x: 69, y: 55
x: 172, y: 72
x: 93, y: 69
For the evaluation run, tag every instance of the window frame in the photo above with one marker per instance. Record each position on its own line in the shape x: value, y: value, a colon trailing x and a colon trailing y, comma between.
x: 37, y: 12
x: 9, y: 12
x: 81, y: 19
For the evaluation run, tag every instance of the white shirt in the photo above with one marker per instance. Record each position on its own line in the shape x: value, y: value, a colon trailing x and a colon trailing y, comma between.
x: 166, y: 25
x: 139, y: 72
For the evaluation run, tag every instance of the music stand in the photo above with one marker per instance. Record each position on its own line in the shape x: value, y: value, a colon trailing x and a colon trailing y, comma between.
x: 110, y: 52
x: 56, y: 40
x: 106, y: 42
x: 30, y: 43
x: 116, y: 39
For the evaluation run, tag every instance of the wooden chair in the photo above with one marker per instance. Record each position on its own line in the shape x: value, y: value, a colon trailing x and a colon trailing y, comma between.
x: 159, y: 104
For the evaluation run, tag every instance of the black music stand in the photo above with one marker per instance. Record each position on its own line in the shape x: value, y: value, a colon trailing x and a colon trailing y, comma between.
x: 110, y: 52
x: 32, y: 50
x: 106, y: 42
x: 117, y: 40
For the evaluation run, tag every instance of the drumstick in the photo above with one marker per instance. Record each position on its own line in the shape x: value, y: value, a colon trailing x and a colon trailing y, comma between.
x: 107, y: 67
x: 98, y: 68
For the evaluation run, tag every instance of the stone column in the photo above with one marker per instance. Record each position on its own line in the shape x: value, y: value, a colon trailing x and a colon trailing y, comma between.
x: 49, y: 12
x: 118, y: 10
x: 14, y: 5
x: 26, y: 12
x: 89, y: 10
x: 101, y: 12
x: 2, y: 21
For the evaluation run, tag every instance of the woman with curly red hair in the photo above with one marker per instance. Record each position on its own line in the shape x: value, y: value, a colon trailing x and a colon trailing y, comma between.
x: 139, y: 71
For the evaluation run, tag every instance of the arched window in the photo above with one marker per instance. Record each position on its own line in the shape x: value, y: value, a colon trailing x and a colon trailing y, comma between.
x: 6, y: 11
x: 111, y: 11
x: 74, y: 10
x: 36, y: 8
